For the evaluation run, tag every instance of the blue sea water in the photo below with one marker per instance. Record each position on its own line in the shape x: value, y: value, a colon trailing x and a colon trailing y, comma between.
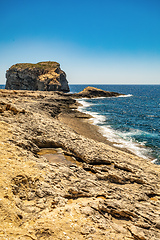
x: 2, y: 86
x: 131, y: 122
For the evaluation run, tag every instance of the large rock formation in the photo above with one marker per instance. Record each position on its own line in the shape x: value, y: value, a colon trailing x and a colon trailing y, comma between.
x: 43, y: 76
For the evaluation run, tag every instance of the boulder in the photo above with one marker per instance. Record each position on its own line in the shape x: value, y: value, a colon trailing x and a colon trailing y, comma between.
x: 43, y: 76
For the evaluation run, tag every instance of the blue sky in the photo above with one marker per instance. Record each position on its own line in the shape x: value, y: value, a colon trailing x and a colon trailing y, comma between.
x: 107, y: 42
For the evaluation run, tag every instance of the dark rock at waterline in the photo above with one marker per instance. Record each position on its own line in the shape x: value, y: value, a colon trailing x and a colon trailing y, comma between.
x: 92, y: 92
x: 43, y: 76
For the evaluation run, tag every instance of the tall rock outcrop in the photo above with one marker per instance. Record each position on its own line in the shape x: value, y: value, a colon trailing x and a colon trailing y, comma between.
x: 42, y: 76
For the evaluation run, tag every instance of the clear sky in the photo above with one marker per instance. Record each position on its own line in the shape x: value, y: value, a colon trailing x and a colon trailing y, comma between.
x: 95, y: 41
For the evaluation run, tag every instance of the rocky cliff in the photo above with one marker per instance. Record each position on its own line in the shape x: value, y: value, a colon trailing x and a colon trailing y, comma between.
x: 43, y: 76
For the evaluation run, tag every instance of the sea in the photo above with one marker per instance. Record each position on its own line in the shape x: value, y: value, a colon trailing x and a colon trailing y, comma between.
x: 131, y: 121
x: 2, y: 86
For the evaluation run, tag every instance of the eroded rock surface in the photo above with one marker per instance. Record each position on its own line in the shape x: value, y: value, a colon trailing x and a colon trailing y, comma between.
x: 43, y: 76
x: 89, y: 190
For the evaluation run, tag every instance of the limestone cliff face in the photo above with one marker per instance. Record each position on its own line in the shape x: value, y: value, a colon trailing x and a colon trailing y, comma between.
x: 43, y: 76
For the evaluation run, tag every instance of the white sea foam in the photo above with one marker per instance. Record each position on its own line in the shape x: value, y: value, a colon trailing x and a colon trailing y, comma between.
x: 119, y: 139
x: 121, y: 96
x: 98, y: 97
x: 84, y: 105
x: 122, y: 140
x: 128, y: 95
x: 154, y: 161
x: 97, y: 118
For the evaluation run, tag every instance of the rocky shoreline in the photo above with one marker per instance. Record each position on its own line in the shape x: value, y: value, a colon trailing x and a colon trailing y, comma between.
x: 60, y: 181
